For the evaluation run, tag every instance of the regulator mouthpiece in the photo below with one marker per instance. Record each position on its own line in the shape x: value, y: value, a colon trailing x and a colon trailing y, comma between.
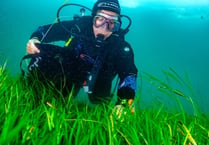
x: 99, y: 41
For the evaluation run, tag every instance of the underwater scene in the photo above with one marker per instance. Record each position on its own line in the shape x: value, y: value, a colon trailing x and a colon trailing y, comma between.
x: 170, y: 40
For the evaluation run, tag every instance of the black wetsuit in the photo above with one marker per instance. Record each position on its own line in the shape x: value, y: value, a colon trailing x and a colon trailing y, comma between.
x: 118, y: 59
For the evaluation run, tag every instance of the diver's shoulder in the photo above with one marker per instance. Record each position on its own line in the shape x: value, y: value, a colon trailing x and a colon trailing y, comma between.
x: 122, y: 46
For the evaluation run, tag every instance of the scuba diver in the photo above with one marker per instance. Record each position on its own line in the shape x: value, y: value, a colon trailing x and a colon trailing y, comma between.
x: 95, y: 53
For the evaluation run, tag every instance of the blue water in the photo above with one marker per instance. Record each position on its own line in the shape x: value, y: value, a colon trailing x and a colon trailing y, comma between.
x: 162, y: 36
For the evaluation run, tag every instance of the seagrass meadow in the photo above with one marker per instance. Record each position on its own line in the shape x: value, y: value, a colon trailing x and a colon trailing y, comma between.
x: 26, y: 118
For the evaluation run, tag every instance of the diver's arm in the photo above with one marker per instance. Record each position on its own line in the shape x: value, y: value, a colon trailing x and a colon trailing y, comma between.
x: 53, y: 32
x: 49, y: 33
x: 128, y: 77
x: 127, y: 86
x: 127, y: 72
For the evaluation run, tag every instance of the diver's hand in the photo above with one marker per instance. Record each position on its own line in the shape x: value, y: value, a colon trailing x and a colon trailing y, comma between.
x: 31, y: 48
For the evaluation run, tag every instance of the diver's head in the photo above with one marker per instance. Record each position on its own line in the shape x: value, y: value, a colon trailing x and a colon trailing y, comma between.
x: 106, y: 17
x: 109, y: 5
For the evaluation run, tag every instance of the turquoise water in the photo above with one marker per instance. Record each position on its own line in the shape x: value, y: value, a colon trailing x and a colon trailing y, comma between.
x: 162, y: 36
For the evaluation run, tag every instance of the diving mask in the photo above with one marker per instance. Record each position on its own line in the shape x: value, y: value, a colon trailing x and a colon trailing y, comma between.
x: 112, y: 22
